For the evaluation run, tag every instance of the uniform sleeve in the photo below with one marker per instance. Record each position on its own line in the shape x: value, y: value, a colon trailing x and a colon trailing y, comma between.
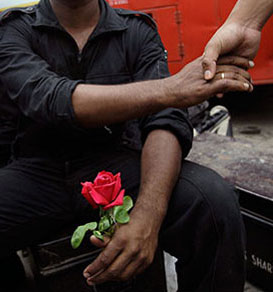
x: 39, y: 93
x: 152, y: 64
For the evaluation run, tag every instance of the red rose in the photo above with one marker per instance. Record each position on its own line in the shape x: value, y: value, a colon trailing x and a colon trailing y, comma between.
x: 105, y: 191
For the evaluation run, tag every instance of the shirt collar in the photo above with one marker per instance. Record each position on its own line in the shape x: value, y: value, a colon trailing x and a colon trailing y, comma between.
x: 109, y: 19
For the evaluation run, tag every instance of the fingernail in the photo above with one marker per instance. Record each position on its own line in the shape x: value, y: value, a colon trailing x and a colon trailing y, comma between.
x: 86, y: 275
x: 251, y: 64
x: 208, y: 74
x: 246, y: 85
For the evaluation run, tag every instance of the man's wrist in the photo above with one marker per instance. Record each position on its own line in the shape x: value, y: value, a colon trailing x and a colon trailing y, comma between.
x: 166, y: 96
x: 251, y: 14
x: 151, y: 212
x: 173, y: 91
x: 245, y: 22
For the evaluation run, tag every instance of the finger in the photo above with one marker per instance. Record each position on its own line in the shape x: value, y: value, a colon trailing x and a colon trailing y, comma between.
x: 114, y: 271
x: 143, y: 260
x: 132, y: 270
x: 234, y: 76
x: 210, y: 57
x: 236, y: 61
x: 233, y: 70
x: 103, y: 261
x: 99, y: 243
x: 226, y: 85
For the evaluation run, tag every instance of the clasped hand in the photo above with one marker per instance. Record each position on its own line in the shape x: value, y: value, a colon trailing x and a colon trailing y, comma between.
x: 188, y: 87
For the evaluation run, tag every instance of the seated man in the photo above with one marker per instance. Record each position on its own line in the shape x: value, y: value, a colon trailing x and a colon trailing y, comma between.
x: 76, y: 71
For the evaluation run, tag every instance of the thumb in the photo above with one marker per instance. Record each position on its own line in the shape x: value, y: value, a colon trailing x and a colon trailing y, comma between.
x: 99, y: 243
x: 210, y: 58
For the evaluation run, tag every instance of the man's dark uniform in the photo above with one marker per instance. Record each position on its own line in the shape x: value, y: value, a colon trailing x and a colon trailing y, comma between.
x: 40, y: 66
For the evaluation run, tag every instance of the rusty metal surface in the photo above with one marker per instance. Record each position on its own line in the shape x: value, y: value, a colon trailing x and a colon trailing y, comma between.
x: 238, y: 161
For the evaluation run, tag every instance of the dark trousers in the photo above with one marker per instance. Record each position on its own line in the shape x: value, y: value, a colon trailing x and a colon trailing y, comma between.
x: 203, y: 227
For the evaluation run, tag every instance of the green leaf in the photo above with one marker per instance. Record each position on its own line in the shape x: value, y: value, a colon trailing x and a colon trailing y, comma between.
x: 104, y: 224
x: 79, y: 233
x: 98, y: 235
x: 116, y: 210
x: 77, y: 237
x: 127, y: 203
x: 90, y: 226
x: 121, y: 215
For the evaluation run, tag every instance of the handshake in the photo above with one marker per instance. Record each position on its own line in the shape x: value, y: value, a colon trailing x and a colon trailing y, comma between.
x: 189, y: 87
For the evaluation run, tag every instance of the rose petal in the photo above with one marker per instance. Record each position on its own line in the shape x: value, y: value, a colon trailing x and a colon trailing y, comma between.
x: 85, y: 192
x: 102, y: 181
x: 98, y: 198
x: 86, y: 184
x: 106, y: 191
x: 117, y: 175
x: 117, y: 186
x: 117, y: 202
x: 103, y: 177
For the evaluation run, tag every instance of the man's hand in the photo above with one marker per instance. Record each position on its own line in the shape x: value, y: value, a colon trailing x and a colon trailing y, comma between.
x: 133, y: 245
x: 231, y: 38
x: 240, y: 35
x: 189, y: 87
x: 127, y: 254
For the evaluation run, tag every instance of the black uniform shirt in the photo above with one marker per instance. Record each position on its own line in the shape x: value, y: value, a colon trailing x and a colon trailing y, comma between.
x: 40, y: 66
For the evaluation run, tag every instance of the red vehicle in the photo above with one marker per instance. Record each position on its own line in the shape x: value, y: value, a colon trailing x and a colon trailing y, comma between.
x: 186, y: 26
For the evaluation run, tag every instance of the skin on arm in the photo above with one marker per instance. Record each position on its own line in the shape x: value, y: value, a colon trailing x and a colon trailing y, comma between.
x: 98, y: 105
x: 251, y: 13
x: 133, y: 245
x: 239, y: 35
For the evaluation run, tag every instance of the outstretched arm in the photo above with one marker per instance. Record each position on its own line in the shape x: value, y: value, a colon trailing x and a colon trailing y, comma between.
x: 239, y: 35
x: 97, y: 105
x: 251, y: 13
x: 27, y: 76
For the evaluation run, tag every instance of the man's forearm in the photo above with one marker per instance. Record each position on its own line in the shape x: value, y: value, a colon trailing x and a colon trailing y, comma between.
x: 252, y: 13
x: 161, y: 163
x: 99, y: 105
x: 96, y: 105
